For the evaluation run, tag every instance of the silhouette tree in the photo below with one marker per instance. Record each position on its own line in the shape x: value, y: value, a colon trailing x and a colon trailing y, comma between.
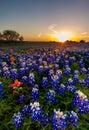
x: 10, y: 35
x: 21, y: 38
x: 0, y: 36
x: 82, y: 41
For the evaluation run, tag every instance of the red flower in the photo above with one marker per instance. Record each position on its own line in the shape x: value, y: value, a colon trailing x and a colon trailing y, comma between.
x: 16, y: 84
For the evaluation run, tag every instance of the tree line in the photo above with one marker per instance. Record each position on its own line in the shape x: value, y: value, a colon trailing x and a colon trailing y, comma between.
x: 10, y: 35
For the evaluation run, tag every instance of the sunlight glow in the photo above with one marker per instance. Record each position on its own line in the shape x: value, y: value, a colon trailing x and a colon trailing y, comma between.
x: 62, y: 37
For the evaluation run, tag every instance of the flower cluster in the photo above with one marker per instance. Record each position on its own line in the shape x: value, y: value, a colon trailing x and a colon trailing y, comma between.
x: 25, y: 110
x: 24, y: 79
x: 1, y: 91
x: 18, y: 120
x: 34, y: 94
x: 35, y: 111
x: 31, y: 79
x: 51, y: 97
x: 55, y: 82
x: 59, y: 120
x: 61, y: 90
x: 14, y: 74
x: 81, y: 102
x: 21, y: 99
x: 73, y: 118
x: 87, y: 81
x: 44, y: 82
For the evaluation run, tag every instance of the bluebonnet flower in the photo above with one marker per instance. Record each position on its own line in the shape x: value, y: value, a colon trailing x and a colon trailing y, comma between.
x: 25, y: 110
x: 25, y: 79
x: 59, y: 120
x: 40, y: 70
x: 87, y: 81
x: 75, y: 78
x: 76, y: 72
x: 14, y: 74
x: 35, y: 94
x: 22, y: 72
x: 83, y: 82
x: 59, y: 73
x: 31, y: 80
x: 73, y: 118
x: 45, y: 119
x: 2, y: 94
x: 51, y: 73
x: 21, y: 99
x: 71, y: 88
x: 36, y: 86
x: 70, y: 81
x: 46, y: 67
x: 51, y: 97
x: 23, y: 64
x: 35, y: 111
x: 56, y: 67
x: 18, y: 120
x: 44, y: 82
x: 83, y: 70
x: 81, y: 102
x: 55, y: 82
x: 67, y: 71
x: 6, y: 72
x: 62, y: 89
x: 1, y: 85
x: 72, y: 59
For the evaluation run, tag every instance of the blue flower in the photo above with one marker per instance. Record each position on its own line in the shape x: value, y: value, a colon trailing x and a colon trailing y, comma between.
x: 59, y: 120
x: 62, y: 89
x: 25, y: 79
x: 55, y: 81
x: 31, y: 80
x: 87, y: 81
x: 1, y: 85
x: 14, y: 74
x: 72, y: 89
x: 25, y: 111
x: 81, y: 102
x: 45, y: 119
x: 21, y: 99
x: 18, y: 120
x: 2, y: 94
x: 35, y: 94
x: 73, y: 118
x: 35, y: 111
x: 51, y: 97
x: 44, y: 82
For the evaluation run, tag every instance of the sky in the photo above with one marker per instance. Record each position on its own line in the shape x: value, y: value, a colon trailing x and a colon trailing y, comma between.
x: 44, y: 19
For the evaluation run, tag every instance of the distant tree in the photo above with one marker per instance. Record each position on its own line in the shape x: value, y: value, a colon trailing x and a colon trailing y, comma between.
x: 0, y: 36
x: 21, y: 38
x: 10, y: 35
x: 82, y: 41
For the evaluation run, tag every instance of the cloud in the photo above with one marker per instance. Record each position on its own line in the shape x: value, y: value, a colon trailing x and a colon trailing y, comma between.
x: 52, y: 28
x: 84, y: 33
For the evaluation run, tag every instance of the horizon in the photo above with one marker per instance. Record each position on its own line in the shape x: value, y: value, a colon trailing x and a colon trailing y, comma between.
x: 49, y: 20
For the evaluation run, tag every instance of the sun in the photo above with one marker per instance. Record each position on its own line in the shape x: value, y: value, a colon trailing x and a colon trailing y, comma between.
x: 64, y: 36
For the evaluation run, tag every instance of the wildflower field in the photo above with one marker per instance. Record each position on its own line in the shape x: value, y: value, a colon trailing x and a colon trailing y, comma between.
x: 44, y: 89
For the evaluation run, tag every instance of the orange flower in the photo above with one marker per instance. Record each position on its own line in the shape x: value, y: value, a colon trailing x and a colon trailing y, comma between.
x: 12, y: 59
x: 16, y: 84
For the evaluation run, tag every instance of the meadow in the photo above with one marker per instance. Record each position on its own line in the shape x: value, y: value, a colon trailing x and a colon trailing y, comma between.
x: 44, y: 86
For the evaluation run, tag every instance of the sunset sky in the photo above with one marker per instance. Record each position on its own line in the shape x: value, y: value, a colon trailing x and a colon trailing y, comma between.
x: 46, y: 19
